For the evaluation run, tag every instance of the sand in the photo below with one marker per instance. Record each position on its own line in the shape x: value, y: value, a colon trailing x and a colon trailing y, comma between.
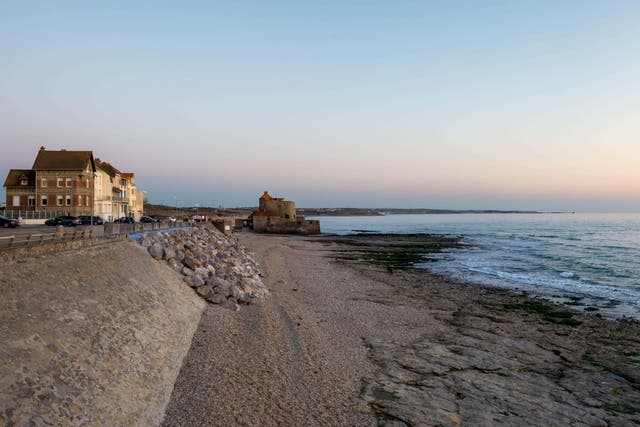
x: 341, y: 343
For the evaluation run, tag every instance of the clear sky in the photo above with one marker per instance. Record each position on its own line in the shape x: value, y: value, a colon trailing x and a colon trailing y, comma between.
x: 448, y: 104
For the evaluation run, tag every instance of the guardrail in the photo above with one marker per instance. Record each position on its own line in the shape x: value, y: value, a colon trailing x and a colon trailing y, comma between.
x: 28, y: 240
x: 31, y: 214
x: 108, y: 230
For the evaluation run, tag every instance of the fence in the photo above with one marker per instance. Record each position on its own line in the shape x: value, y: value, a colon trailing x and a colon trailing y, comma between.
x: 109, y: 230
x: 26, y: 214
x: 27, y: 240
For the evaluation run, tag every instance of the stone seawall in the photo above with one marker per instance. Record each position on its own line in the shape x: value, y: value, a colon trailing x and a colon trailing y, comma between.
x: 91, y: 336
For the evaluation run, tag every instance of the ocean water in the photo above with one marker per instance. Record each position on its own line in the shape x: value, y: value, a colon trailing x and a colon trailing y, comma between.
x: 589, y: 261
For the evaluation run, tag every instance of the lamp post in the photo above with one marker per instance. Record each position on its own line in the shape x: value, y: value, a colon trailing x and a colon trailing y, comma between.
x: 144, y: 196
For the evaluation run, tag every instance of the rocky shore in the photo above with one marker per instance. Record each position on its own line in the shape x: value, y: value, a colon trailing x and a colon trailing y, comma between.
x: 342, y: 341
x: 219, y: 269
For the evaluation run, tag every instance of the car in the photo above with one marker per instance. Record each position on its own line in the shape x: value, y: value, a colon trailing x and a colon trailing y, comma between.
x: 125, y: 220
x: 148, y: 219
x: 65, y: 220
x: 86, y: 219
x: 8, y: 222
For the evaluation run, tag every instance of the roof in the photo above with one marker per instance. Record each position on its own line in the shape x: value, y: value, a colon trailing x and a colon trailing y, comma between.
x: 107, y: 167
x: 63, y: 160
x: 265, y: 196
x: 127, y: 174
x: 14, y: 176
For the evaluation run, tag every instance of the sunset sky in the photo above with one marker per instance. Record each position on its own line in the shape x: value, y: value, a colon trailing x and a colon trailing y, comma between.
x: 449, y: 104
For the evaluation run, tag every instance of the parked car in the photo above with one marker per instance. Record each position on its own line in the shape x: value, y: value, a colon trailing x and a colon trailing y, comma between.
x: 65, y: 220
x: 125, y: 220
x: 86, y: 219
x: 7, y: 222
x: 148, y: 219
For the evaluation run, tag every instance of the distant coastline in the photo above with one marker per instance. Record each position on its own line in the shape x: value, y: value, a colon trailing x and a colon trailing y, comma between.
x: 398, y: 211
x: 164, y: 210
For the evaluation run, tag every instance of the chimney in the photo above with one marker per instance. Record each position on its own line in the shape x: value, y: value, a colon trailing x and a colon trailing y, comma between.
x: 42, y: 148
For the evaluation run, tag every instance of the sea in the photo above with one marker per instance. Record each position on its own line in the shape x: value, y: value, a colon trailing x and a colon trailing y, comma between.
x: 588, y: 261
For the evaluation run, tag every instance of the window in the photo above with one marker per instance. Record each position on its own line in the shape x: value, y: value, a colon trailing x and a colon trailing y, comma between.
x: 87, y: 183
x: 43, y: 183
x: 24, y: 182
x: 43, y: 201
x: 86, y: 200
x: 16, y: 201
x: 79, y: 200
x: 59, y: 200
x: 32, y: 200
x: 59, y: 182
x: 69, y: 182
x: 68, y: 200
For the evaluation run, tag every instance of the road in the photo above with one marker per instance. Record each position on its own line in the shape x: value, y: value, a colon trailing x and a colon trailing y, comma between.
x: 26, y: 229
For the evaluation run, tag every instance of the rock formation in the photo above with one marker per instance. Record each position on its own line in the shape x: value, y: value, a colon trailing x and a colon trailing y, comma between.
x: 219, y: 269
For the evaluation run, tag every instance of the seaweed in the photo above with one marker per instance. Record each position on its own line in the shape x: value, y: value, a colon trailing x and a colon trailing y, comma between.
x: 546, y: 311
x: 402, y: 253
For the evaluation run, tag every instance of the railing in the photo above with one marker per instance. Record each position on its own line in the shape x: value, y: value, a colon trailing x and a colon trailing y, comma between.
x: 31, y: 214
x: 107, y: 231
x: 27, y: 240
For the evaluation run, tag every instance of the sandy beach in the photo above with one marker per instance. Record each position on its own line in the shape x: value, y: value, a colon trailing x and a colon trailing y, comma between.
x: 342, y: 343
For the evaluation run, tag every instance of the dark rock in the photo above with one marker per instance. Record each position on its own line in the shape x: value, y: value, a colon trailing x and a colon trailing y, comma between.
x: 205, y: 291
x: 169, y: 252
x: 191, y: 262
x: 156, y: 250
x: 217, y: 299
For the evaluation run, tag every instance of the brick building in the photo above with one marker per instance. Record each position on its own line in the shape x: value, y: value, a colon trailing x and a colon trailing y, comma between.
x: 66, y: 182
x: 58, y: 182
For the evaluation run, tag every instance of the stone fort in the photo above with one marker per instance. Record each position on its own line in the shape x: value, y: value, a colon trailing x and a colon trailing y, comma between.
x: 276, y: 215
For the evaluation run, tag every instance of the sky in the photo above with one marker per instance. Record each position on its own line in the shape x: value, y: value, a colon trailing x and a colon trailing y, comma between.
x: 414, y: 104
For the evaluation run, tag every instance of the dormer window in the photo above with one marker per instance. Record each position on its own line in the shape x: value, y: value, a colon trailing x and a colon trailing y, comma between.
x: 24, y: 182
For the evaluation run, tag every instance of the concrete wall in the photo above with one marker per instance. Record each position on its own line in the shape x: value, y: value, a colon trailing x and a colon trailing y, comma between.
x: 91, y: 336
x: 224, y: 225
x: 275, y: 225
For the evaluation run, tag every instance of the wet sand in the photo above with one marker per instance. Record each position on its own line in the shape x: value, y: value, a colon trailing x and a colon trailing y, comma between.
x: 340, y: 342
